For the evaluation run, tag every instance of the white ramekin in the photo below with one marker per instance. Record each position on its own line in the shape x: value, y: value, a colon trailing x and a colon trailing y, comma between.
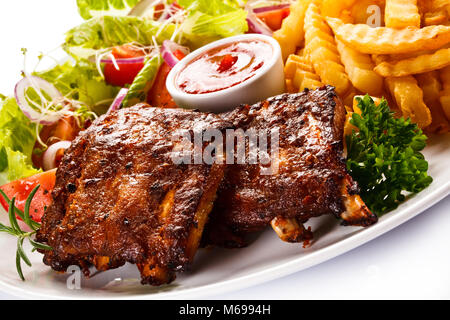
x: 267, y: 82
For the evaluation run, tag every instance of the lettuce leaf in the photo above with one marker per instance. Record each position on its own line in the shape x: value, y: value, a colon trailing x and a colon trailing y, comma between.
x: 80, y: 81
x: 143, y: 82
x: 210, y: 7
x: 108, y: 31
x: 95, y: 8
x: 210, y: 20
x: 17, y: 139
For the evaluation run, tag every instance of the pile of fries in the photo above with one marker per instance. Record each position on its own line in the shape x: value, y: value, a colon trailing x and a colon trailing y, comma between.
x: 396, y: 49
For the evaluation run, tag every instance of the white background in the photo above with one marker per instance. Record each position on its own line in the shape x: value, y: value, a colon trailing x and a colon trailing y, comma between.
x: 411, y: 261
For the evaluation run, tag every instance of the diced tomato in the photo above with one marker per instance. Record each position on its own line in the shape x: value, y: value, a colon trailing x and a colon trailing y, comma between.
x: 22, y: 188
x: 125, y: 75
x: 65, y: 129
x: 158, y: 11
x: 180, y: 55
x: 274, y: 18
x: 127, y: 71
x: 158, y: 96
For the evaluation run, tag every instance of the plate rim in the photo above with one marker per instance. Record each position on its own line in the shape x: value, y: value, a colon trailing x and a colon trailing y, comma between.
x: 270, y: 273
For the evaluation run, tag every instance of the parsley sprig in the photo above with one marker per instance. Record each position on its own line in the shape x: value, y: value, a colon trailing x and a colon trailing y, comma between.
x: 15, y: 230
x: 384, y: 156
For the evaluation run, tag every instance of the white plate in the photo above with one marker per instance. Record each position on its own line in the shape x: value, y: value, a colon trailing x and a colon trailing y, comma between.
x: 217, y: 270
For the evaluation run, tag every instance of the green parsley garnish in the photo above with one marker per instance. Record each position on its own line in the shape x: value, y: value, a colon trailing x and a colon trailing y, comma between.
x: 384, y: 156
x: 21, y: 235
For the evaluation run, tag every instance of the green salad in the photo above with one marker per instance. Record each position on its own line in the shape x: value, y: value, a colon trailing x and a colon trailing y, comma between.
x: 80, y: 80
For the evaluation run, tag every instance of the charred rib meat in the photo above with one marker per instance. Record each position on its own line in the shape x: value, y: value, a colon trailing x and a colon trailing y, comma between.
x: 120, y: 198
x: 311, y: 179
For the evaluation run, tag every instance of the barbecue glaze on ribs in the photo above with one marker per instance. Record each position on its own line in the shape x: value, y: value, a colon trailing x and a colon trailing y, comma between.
x: 120, y: 198
x: 312, y: 179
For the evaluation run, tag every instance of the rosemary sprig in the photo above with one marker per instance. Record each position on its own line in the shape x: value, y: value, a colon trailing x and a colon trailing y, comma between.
x: 15, y: 230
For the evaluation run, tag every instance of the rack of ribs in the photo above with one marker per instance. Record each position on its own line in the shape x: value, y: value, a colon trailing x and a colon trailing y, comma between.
x: 120, y: 198
x: 311, y: 179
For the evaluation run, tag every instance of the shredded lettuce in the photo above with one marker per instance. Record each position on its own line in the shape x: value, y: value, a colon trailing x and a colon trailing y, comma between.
x: 17, y: 139
x: 210, y: 20
x: 95, y: 8
x: 143, y: 82
x: 107, y: 31
x: 80, y: 81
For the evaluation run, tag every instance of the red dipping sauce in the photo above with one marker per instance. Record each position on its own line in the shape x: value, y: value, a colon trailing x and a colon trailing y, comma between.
x: 224, y: 67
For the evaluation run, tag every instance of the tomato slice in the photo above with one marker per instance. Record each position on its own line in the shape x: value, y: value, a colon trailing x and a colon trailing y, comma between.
x: 158, y: 96
x: 125, y: 75
x: 23, y: 187
x: 127, y: 51
x: 127, y: 71
x: 65, y: 129
x: 158, y: 11
x: 274, y: 18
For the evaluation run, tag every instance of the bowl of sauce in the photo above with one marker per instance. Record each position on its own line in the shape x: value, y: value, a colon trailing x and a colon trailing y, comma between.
x: 222, y: 75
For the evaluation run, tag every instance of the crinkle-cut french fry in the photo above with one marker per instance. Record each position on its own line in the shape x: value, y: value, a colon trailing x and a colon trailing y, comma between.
x: 404, y: 56
x: 292, y: 64
x: 430, y: 85
x: 436, y: 12
x: 309, y: 83
x: 435, y: 18
x: 445, y: 103
x: 291, y: 34
x: 290, y: 86
x: 301, y: 73
x: 379, y: 58
x: 420, y: 64
x: 363, y: 11
x: 445, y: 93
x: 384, y: 40
x: 359, y: 67
x: 445, y: 78
x: 424, y: 6
x: 409, y: 98
x: 348, y: 127
x: 333, y: 8
x: 348, y: 98
x: 300, y: 52
x: 322, y: 52
x: 346, y: 16
x: 401, y: 14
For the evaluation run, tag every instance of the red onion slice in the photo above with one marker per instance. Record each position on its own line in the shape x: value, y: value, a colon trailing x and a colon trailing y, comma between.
x: 49, y: 158
x: 118, y: 100
x: 42, y: 85
x: 272, y: 8
x: 168, y: 49
x: 255, y: 25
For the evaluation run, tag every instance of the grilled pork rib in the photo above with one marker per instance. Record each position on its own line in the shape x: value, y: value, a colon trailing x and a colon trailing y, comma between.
x: 311, y: 180
x: 120, y: 198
